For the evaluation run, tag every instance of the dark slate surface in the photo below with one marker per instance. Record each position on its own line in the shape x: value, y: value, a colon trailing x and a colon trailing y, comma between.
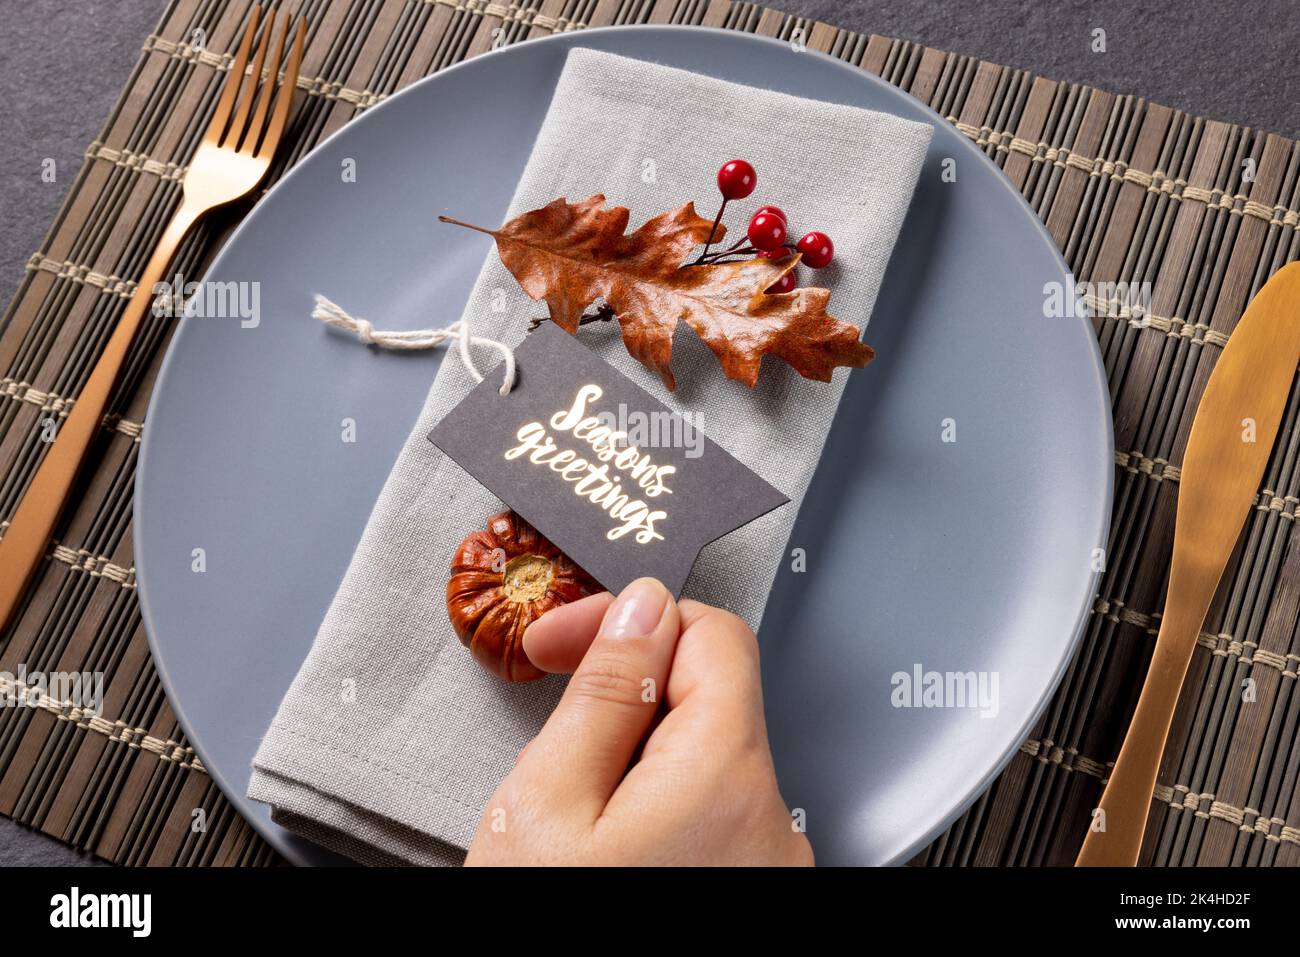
x: 62, y: 65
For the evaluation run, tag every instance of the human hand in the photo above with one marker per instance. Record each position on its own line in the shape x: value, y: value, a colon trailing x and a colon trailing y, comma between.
x: 656, y: 754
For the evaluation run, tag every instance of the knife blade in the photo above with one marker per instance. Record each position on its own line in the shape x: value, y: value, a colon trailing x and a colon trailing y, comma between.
x: 1227, y: 452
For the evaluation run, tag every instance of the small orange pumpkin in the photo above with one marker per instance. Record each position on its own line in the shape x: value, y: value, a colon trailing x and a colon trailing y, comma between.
x: 502, y: 580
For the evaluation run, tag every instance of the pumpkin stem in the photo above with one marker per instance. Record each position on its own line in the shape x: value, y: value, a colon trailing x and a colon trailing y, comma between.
x: 526, y: 578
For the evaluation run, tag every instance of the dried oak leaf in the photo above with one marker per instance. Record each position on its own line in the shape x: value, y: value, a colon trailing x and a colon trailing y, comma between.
x: 570, y: 254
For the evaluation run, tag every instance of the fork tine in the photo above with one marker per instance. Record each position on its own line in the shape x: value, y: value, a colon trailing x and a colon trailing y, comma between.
x: 284, y: 97
x: 257, y: 124
x: 222, y: 113
x: 249, y: 90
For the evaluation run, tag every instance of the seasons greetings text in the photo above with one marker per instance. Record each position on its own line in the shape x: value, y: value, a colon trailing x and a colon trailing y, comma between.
x: 605, y: 470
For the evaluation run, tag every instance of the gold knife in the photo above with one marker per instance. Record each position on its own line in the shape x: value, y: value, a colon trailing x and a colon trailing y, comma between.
x: 1228, y: 449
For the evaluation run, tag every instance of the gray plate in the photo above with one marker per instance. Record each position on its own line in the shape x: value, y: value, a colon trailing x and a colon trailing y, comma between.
x: 971, y: 555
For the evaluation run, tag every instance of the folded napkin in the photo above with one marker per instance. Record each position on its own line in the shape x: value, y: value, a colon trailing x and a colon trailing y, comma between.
x: 401, y: 769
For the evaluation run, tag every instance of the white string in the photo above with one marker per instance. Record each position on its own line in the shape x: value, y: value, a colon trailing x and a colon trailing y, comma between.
x: 332, y: 314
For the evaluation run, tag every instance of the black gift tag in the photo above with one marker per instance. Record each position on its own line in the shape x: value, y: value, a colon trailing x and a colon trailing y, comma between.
x: 620, y: 483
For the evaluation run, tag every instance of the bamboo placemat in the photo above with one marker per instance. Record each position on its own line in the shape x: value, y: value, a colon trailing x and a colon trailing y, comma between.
x: 1131, y: 191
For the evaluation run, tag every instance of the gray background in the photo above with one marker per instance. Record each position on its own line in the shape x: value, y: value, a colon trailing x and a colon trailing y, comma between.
x: 62, y: 65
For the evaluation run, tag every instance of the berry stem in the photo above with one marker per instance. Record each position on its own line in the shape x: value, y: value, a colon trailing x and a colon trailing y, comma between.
x: 714, y: 231
x: 603, y: 314
x: 718, y: 256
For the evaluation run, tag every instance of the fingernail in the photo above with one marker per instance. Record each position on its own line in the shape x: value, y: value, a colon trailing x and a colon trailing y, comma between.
x: 636, y: 611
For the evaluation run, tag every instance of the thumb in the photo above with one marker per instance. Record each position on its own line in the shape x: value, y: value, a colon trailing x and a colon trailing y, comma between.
x: 612, y: 697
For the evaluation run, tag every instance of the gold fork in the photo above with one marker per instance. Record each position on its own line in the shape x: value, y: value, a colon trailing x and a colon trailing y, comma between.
x: 232, y: 159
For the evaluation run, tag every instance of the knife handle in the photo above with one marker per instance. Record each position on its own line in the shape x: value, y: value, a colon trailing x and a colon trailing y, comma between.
x: 1126, y: 801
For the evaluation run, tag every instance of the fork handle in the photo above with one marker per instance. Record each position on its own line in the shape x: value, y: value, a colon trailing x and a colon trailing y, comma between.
x: 24, y: 542
x: 1126, y: 801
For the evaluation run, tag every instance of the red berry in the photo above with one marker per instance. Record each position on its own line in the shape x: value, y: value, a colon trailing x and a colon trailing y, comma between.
x: 817, y: 249
x: 776, y: 211
x: 779, y: 252
x: 785, y: 284
x: 766, y: 231
x: 736, y: 179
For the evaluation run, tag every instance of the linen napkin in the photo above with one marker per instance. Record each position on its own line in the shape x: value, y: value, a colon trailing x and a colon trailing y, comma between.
x: 401, y: 768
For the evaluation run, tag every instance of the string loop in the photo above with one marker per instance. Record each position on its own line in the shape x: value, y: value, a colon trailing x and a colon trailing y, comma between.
x: 334, y: 315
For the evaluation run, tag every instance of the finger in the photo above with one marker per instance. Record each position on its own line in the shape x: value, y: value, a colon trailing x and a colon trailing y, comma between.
x: 557, y: 641
x: 714, y: 718
x: 716, y: 663
x: 587, y: 743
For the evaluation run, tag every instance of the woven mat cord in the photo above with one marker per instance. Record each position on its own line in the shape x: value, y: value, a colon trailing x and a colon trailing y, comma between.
x: 1130, y: 191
